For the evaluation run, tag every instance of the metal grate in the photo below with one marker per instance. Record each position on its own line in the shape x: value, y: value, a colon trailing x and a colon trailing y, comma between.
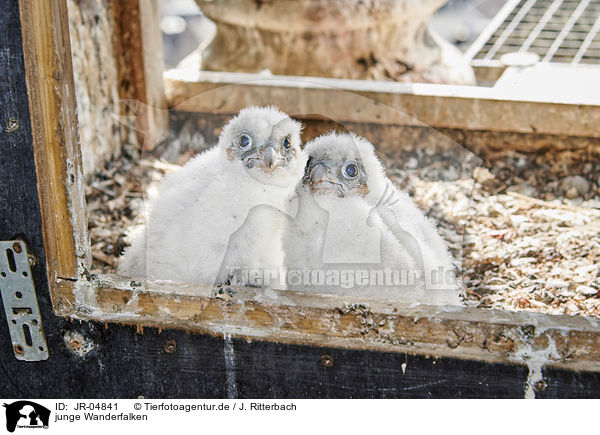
x: 565, y: 31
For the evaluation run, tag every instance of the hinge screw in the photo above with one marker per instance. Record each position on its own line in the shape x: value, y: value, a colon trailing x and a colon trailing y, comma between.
x: 13, y: 125
x: 170, y: 346
x: 327, y: 361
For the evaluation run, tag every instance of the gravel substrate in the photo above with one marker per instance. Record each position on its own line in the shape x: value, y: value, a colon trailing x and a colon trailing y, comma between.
x: 527, y: 238
x: 524, y: 229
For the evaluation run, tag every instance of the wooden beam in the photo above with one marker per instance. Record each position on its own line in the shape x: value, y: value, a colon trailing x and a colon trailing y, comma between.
x: 469, y: 108
x: 347, y: 322
x: 139, y: 54
x: 488, y: 145
x: 54, y: 128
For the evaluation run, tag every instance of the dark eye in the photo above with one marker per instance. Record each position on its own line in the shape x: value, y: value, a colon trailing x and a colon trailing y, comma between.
x: 245, y: 141
x: 350, y: 170
x: 286, y: 143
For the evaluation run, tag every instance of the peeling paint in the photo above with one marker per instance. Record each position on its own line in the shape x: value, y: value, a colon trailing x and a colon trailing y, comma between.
x: 85, y: 294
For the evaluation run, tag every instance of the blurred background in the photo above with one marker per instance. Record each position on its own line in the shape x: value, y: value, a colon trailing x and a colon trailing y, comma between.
x: 462, y: 42
x: 185, y: 28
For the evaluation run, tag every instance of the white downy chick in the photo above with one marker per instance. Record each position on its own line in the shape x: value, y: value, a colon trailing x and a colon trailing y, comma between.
x: 256, y: 162
x: 351, y: 218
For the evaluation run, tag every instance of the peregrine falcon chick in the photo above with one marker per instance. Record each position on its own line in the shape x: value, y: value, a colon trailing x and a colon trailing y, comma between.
x: 352, y: 219
x: 256, y: 162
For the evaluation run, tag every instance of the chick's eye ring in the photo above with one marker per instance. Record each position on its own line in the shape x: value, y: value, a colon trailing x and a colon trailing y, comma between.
x: 287, y: 143
x: 245, y: 141
x: 350, y: 170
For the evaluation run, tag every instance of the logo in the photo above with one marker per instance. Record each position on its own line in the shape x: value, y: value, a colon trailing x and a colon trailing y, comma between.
x: 26, y: 414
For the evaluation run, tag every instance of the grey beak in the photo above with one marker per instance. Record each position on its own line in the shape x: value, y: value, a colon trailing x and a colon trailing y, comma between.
x: 318, y: 172
x: 270, y: 156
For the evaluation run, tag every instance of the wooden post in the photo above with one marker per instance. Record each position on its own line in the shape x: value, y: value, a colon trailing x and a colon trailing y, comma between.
x: 139, y: 54
x: 53, y: 113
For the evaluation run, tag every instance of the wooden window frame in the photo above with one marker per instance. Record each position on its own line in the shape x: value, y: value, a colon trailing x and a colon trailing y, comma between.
x: 291, y: 317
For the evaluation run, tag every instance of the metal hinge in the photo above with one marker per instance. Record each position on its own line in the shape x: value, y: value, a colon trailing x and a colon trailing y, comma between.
x: 20, y: 303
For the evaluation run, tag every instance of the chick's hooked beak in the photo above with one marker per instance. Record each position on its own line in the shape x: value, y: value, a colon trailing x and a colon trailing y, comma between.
x: 270, y: 156
x: 321, y: 178
x: 317, y: 173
